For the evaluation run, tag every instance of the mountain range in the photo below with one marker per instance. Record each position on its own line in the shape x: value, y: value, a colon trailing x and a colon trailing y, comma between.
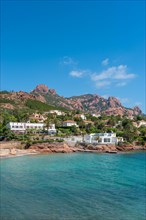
x: 88, y: 103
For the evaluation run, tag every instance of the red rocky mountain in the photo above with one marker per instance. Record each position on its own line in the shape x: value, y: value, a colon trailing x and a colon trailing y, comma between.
x: 88, y: 103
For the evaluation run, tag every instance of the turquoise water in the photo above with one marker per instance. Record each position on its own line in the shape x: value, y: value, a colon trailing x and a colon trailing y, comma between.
x: 79, y: 186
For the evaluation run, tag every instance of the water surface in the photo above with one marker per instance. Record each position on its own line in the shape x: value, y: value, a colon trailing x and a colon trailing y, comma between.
x: 78, y: 186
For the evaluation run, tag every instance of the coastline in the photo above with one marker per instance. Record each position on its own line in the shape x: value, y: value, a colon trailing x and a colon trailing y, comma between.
x: 13, y: 149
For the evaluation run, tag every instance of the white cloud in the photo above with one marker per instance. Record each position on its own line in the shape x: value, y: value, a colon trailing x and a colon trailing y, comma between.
x: 115, y: 72
x: 117, y: 75
x: 77, y: 73
x: 121, y: 84
x: 102, y: 84
x: 105, y: 62
x: 68, y: 61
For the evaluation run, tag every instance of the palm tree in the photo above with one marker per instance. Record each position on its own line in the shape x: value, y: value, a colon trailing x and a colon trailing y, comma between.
x: 50, y: 120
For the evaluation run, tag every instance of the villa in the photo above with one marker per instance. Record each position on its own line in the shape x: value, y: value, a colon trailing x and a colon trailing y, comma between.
x: 95, y: 115
x: 69, y: 123
x: 82, y: 116
x: 57, y: 112
x: 37, y: 117
x: 102, y: 138
x: 22, y: 127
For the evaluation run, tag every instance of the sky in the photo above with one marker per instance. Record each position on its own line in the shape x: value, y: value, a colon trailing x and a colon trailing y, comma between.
x: 76, y: 47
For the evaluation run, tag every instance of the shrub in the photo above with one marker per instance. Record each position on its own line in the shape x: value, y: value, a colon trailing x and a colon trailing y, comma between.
x: 27, y: 145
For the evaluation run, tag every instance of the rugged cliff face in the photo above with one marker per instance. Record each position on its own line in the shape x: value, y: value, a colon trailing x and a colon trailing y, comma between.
x: 21, y: 96
x: 89, y: 103
x: 43, y: 89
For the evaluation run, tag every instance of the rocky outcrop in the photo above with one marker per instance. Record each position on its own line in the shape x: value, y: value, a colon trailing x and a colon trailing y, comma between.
x: 52, y: 91
x: 100, y: 148
x: 11, y: 145
x: 22, y: 97
x: 115, y: 111
x: 88, y: 103
x: 18, y: 96
x: 7, y: 106
x: 137, y: 110
x: 14, y: 149
x: 109, y: 148
x: 41, y: 88
x: 113, y: 102
x: 52, y: 148
x: 130, y: 147
x: 41, y: 98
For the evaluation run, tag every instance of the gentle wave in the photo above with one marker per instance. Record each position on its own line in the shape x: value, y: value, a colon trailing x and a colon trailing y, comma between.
x: 74, y: 187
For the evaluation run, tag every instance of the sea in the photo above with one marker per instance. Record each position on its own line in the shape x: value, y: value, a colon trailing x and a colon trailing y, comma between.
x: 76, y: 186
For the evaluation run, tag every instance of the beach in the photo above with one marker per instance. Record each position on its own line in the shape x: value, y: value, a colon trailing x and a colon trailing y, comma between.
x: 15, y: 148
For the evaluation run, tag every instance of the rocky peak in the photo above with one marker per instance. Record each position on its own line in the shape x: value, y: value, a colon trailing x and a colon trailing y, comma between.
x: 41, y: 88
x: 137, y: 110
x: 52, y: 91
x: 113, y: 102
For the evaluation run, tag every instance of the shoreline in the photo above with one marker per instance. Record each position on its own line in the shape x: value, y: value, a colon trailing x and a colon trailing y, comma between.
x: 94, y: 152
x: 12, y: 149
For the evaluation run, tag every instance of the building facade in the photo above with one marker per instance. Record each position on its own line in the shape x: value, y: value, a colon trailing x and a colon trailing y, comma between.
x: 37, y: 117
x: 101, y: 138
x: 69, y: 123
x: 57, y: 112
x: 82, y: 116
x: 22, y: 127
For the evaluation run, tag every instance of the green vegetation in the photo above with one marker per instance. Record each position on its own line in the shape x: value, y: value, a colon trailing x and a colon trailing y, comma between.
x: 123, y: 126
x: 4, y: 92
x: 37, y: 105
x: 40, y: 106
x: 2, y: 100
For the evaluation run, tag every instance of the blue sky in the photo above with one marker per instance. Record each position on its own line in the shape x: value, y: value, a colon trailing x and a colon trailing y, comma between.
x: 76, y: 47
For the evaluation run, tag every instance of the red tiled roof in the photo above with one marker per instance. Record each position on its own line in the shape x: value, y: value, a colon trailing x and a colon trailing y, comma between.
x: 89, y: 121
x: 70, y: 121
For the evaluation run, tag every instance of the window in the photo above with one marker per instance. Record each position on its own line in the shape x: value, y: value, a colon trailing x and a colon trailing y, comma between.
x: 106, y: 139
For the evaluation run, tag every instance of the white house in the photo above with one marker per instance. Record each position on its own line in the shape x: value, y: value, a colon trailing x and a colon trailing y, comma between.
x: 95, y: 115
x: 22, y: 127
x: 16, y: 126
x: 51, y: 129
x: 101, y: 138
x: 82, y: 116
x: 69, y: 123
x: 57, y: 112
x: 38, y: 117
